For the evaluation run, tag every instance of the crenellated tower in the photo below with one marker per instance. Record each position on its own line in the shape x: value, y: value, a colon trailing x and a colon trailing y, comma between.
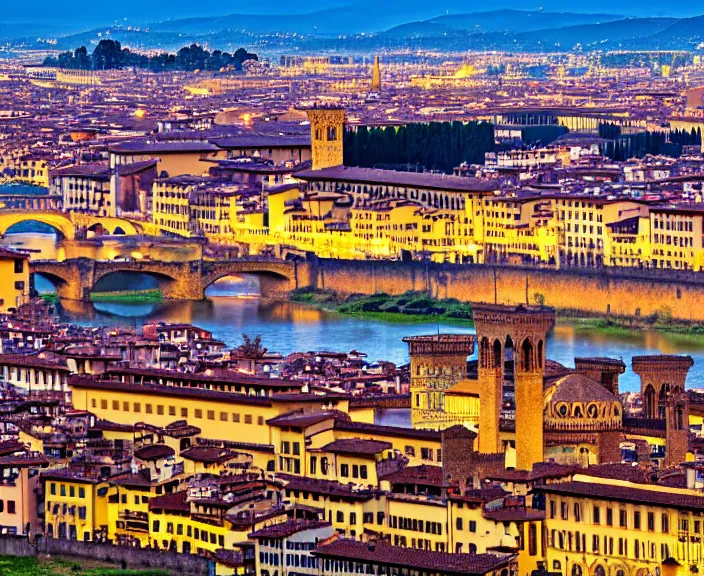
x: 438, y: 362
x: 663, y: 394
x: 326, y: 131
x: 524, y: 328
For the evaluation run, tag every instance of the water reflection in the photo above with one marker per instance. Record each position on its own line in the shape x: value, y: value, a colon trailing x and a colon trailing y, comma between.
x: 232, y: 309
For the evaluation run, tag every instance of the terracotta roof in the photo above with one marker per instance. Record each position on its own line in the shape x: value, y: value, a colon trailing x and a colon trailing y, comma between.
x: 209, y: 455
x: 622, y: 493
x: 288, y: 528
x: 76, y: 381
x: 174, y: 502
x: 395, y: 431
x: 394, y: 178
x: 154, y: 452
x: 422, y: 475
x: 356, y: 446
x: 579, y: 388
x: 332, y: 487
x: 413, y: 558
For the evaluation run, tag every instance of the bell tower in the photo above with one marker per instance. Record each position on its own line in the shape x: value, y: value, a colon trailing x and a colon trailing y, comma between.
x: 663, y: 394
x: 326, y: 127
x: 525, y: 328
x: 376, y: 76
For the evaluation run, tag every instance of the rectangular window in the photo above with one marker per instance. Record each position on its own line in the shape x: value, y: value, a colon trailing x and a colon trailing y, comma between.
x: 211, y: 414
x: 651, y: 521
x: 235, y: 417
x: 11, y: 507
x: 160, y: 410
x: 260, y: 420
x: 115, y: 404
x: 665, y: 524
x: 198, y: 413
x: 472, y: 525
x: 597, y: 515
x: 104, y: 404
x: 247, y: 418
x: 125, y: 406
x: 344, y: 470
x: 148, y: 408
x: 223, y: 416
x: 623, y: 518
x: 137, y: 407
x: 172, y: 410
x: 184, y: 412
x: 609, y: 517
x: 636, y: 520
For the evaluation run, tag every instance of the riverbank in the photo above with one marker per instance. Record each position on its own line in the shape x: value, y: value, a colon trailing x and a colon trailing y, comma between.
x: 410, y: 307
x: 414, y: 307
x: 128, y: 296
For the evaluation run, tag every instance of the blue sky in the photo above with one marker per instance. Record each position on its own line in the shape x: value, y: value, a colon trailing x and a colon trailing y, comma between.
x: 81, y: 13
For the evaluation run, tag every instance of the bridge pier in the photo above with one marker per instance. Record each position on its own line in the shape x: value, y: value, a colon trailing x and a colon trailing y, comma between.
x: 271, y: 286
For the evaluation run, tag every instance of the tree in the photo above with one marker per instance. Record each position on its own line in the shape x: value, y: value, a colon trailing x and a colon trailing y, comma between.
x: 251, y: 348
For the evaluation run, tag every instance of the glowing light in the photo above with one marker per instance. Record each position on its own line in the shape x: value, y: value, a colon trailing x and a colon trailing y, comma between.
x: 140, y: 113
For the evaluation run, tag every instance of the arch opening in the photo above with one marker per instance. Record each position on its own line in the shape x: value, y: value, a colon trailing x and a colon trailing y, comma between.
x: 235, y: 286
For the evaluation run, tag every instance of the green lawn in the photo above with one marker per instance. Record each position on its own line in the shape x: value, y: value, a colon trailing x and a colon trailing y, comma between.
x: 53, y: 566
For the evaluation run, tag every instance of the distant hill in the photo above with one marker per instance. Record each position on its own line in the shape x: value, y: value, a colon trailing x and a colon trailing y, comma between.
x: 608, y: 34
x: 519, y: 20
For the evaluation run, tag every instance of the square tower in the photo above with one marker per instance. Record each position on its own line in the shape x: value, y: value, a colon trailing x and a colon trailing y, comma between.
x: 326, y: 131
x: 526, y: 329
x: 438, y: 362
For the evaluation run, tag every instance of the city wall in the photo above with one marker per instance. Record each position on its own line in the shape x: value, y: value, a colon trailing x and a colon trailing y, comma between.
x: 132, y: 557
x: 598, y: 292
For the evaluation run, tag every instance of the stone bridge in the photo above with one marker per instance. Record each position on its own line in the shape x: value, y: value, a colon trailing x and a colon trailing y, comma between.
x: 75, y: 279
x: 68, y: 224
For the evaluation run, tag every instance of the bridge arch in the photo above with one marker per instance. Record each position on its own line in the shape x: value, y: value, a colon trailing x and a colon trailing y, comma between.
x: 59, y: 222
x: 275, y: 278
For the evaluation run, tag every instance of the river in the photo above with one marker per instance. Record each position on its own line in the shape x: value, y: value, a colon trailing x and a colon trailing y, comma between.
x: 232, y: 309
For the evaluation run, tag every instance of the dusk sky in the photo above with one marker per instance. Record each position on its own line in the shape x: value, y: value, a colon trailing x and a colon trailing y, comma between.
x: 89, y: 12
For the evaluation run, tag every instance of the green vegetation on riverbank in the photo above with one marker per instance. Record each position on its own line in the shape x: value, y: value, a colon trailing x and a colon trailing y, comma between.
x: 150, y: 295
x: 56, y: 566
x: 408, y: 307
x: 419, y: 307
x: 626, y: 326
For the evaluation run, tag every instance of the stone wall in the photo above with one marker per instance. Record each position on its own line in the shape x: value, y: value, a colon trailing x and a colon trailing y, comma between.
x: 605, y: 291
x: 133, y: 558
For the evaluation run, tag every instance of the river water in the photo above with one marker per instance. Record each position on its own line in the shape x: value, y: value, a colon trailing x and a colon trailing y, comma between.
x: 232, y: 309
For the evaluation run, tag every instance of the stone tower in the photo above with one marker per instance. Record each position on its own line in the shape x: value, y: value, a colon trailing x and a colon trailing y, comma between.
x: 376, y: 76
x: 525, y: 328
x: 662, y: 388
x: 603, y: 370
x: 326, y: 126
x: 438, y: 362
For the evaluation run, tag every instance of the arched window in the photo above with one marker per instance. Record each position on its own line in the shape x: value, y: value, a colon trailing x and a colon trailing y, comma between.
x: 527, y: 355
x: 576, y: 570
x: 498, y: 355
x: 599, y: 571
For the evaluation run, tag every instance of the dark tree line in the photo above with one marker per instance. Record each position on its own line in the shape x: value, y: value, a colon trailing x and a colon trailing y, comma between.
x: 438, y: 146
x: 638, y: 145
x: 609, y: 131
x: 109, y: 55
x: 685, y: 138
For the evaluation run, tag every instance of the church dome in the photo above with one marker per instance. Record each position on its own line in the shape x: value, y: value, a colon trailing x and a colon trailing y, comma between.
x: 576, y: 402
